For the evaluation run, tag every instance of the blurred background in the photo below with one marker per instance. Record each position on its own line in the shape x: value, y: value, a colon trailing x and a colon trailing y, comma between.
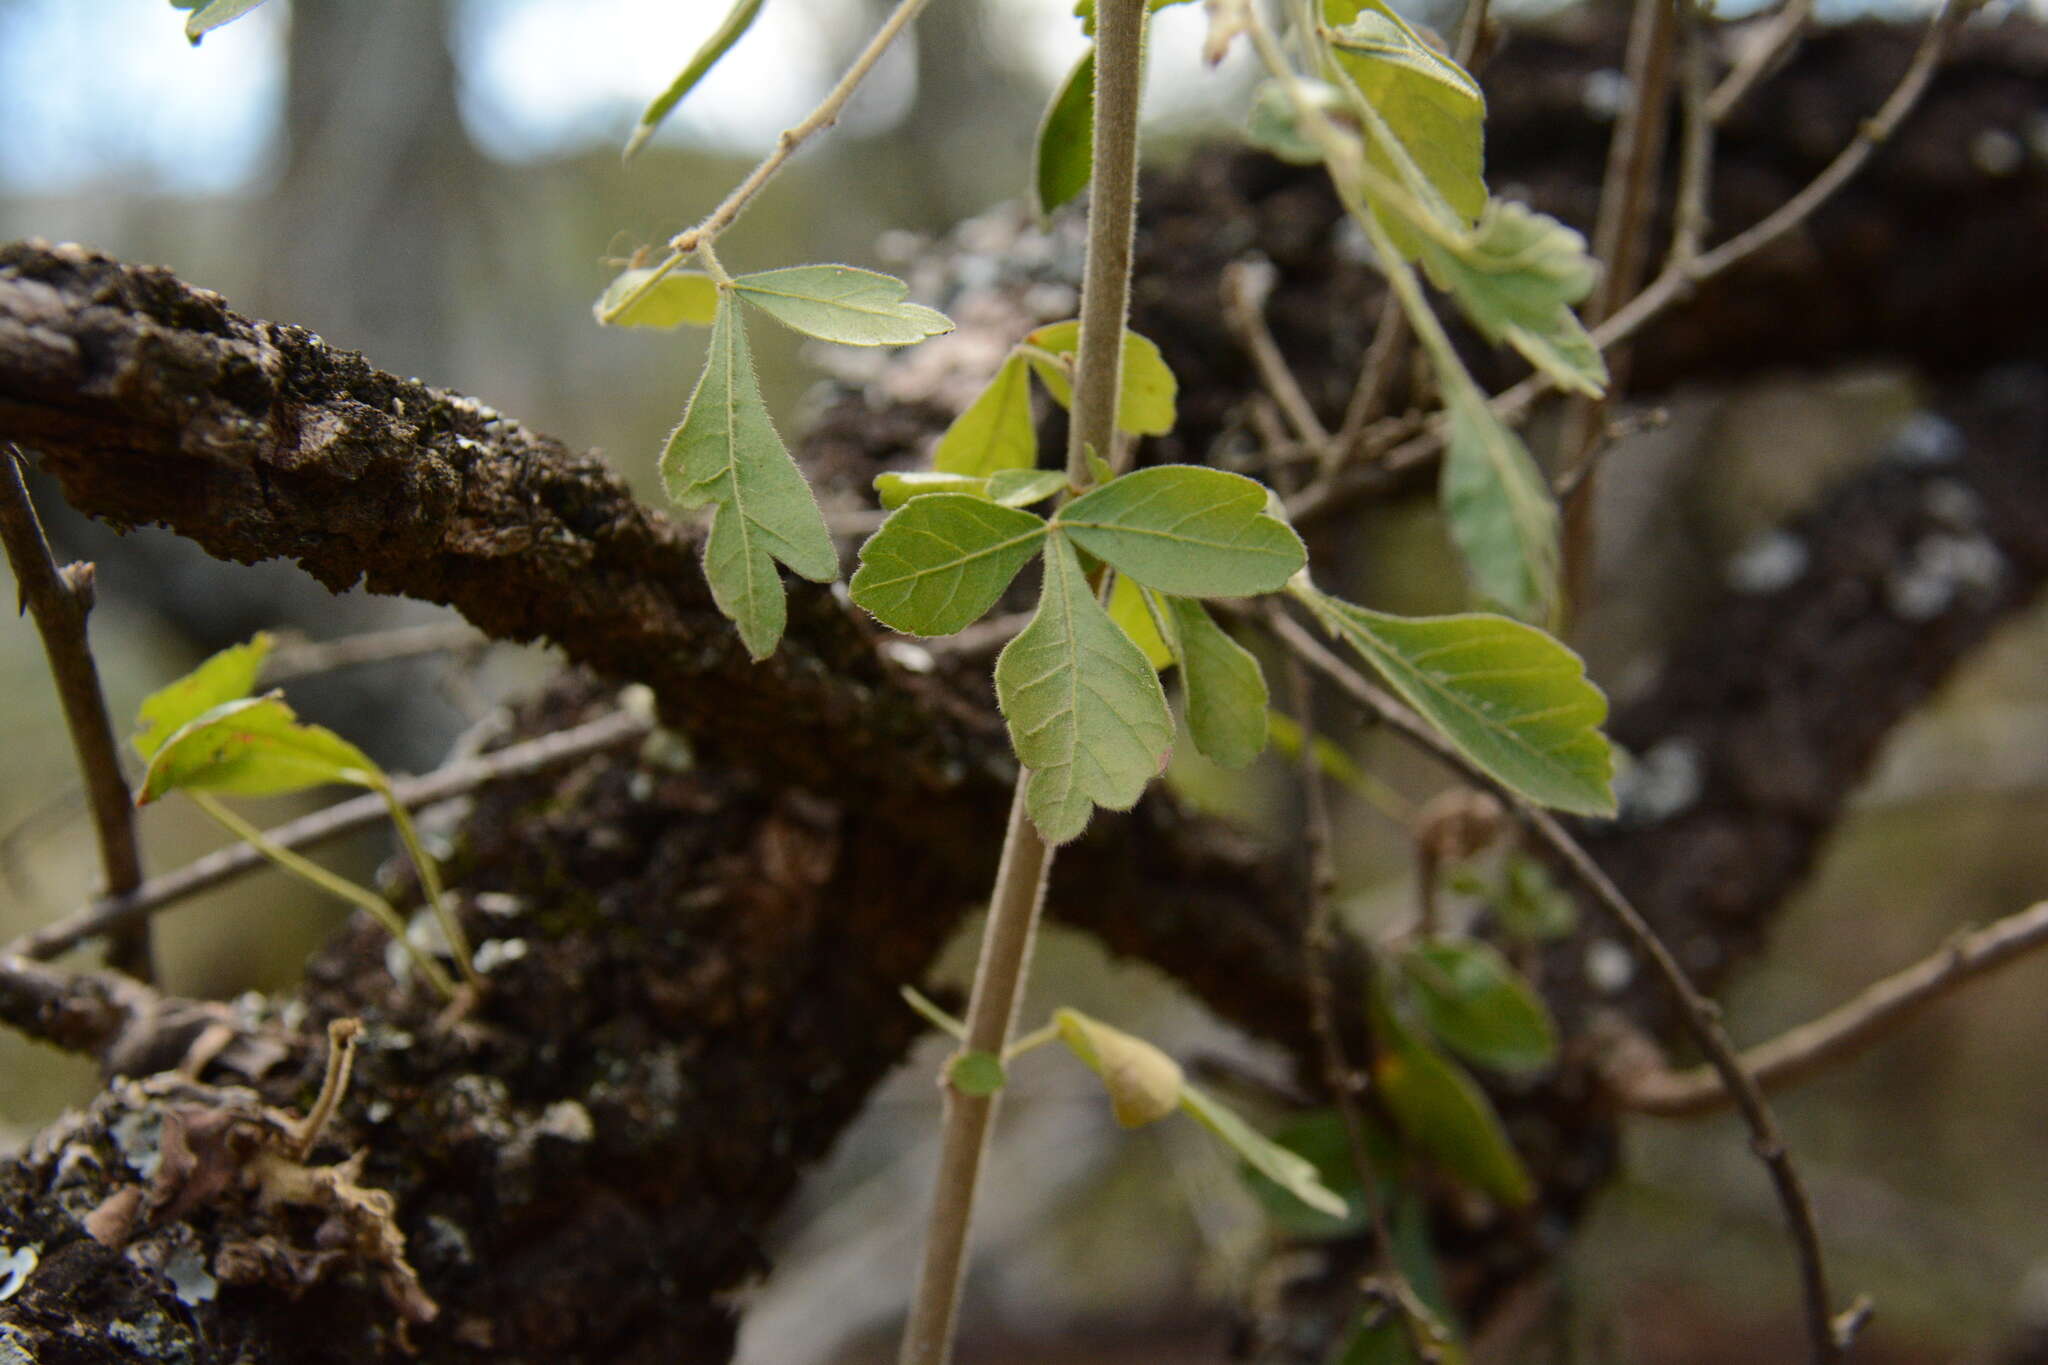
x: 437, y: 183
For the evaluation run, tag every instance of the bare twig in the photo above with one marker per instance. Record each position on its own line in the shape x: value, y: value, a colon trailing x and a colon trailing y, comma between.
x: 1770, y: 51
x: 1375, y: 384
x: 342, y: 1035
x: 1848, y: 1029
x: 60, y: 600
x: 1700, y: 1016
x: 306, y: 658
x: 519, y: 760
x: 1246, y: 285
x: 1696, y: 150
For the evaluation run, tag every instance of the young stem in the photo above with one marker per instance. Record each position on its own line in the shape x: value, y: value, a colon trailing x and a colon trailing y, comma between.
x: 378, y: 908
x: 430, y: 883
x: 1021, y: 876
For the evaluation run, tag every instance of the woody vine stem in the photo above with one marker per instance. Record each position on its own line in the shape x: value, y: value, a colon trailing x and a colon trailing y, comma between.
x: 1027, y: 859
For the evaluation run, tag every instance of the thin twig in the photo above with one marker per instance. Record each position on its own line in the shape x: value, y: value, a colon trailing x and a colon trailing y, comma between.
x: 60, y: 600
x: 1700, y: 1016
x: 1689, y: 214
x: 306, y: 658
x: 519, y: 760
x: 1375, y: 385
x: 1847, y: 1030
x: 1769, y: 53
x: 1246, y: 286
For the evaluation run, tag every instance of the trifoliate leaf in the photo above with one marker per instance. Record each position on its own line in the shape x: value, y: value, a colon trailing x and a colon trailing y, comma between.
x: 941, y: 561
x: 681, y: 296
x: 211, y: 14
x: 1146, y: 388
x: 1144, y: 1084
x: 1479, y: 1006
x: 975, y: 1074
x: 726, y: 455
x: 228, y: 676
x: 1226, y: 689
x: 1186, y: 530
x: 1127, y: 607
x: 1499, y: 508
x: 737, y: 21
x: 1023, y: 487
x: 1516, y: 276
x: 1507, y: 696
x: 254, y: 746
x: 1290, y: 1172
x: 1063, y: 159
x: 1085, y: 710
x: 995, y: 432
x: 843, y: 304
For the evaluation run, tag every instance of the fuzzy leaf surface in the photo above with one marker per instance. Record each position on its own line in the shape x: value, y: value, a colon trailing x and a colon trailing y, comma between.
x: 995, y: 432
x: 679, y: 297
x: 1226, y: 688
x: 1146, y: 389
x: 727, y: 455
x: 1516, y: 277
x: 1063, y: 156
x: 842, y: 303
x: 1144, y: 1084
x: 1128, y: 608
x: 254, y: 746
x: 1023, y: 487
x: 228, y: 676
x: 1085, y: 710
x: 1509, y: 697
x: 941, y: 561
x: 1499, y: 509
x: 737, y: 21
x: 1186, y: 530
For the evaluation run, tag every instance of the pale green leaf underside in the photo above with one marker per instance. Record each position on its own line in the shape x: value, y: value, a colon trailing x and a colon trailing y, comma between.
x: 843, y: 304
x: 1499, y: 509
x: 1064, y: 157
x: 1290, y: 1172
x: 679, y: 297
x: 1273, y: 126
x: 228, y: 676
x: 254, y: 746
x: 1128, y: 608
x: 1146, y: 389
x: 737, y: 21
x: 1023, y: 487
x: 942, y: 560
x: 995, y: 431
x: 1516, y: 276
x: 1509, y: 697
x: 1226, y: 689
x: 897, y: 487
x: 1186, y: 530
x: 1085, y: 710
x: 726, y: 455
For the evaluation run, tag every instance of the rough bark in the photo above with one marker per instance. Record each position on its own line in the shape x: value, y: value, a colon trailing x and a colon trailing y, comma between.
x: 710, y: 956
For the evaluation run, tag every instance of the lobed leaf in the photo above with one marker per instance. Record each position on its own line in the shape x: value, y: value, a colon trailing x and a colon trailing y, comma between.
x: 679, y: 297
x: 254, y: 746
x: 942, y: 560
x: 1226, y: 689
x: 1146, y: 389
x: 1479, y: 1006
x: 1507, y: 696
x: 1144, y: 1084
x: 1499, y: 508
x: 841, y: 303
x: 228, y: 676
x: 737, y: 21
x: 1186, y: 530
x: 1285, y: 1169
x: 995, y: 431
x: 725, y: 454
x: 1085, y: 710
x: 1063, y: 153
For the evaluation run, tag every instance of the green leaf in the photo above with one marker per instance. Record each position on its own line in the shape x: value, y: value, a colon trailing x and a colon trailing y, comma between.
x: 942, y: 560
x: 975, y: 1074
x: 212, y: 15
x: 897, y: 487
x: 1319, y: 1137
x: 1530, y: 903
x: 1226, y: 689
x: 737, y: 21
x: 1023, y: 487
x: 1444, y: 1113
x: 1499, y: 508
x: 840, y: 303
x: 1127, y: 607
x: 932, y: 1014
x: 1085, y: 709
x: 1429, y: 103
x: 1478, y: 1006
x: 1285, y: 1169
x: 681, y: 296
x: 995, y: 431
x: 1516, y: 276
x: 726, y: 454
x: 1144, y: 1084
x: 1186, y: 530
x: 1273, y: 127
x: 254, y: 746
x: 1508, y: 697
x: 1063, y: 159
x: 228, y: 676
x: 1146, y: 388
